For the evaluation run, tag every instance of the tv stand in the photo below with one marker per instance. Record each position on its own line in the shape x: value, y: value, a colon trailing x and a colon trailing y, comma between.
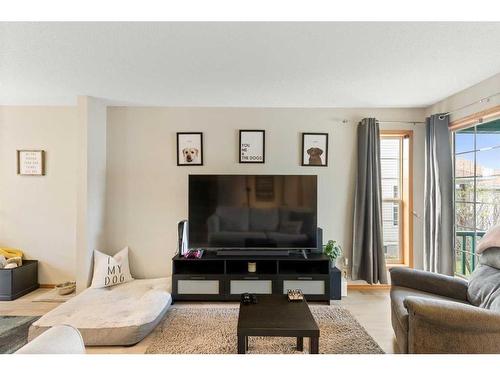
x: 217, y: 277
x: 253, y: 253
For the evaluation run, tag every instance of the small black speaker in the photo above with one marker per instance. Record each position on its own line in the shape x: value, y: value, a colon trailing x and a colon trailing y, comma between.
x: 182, y: 237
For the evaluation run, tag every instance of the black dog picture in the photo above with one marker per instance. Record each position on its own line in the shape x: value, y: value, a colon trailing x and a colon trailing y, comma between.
x: 315, y: 149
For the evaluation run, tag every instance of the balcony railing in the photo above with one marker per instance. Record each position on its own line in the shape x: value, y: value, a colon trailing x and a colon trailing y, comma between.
x: 474, y: 236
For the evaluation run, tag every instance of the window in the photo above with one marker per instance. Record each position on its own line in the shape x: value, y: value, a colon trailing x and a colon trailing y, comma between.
x: 396, y: 192
x: 477, y: 189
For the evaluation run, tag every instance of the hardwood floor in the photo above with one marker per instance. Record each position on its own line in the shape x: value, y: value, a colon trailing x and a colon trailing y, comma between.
x: 370, y: 307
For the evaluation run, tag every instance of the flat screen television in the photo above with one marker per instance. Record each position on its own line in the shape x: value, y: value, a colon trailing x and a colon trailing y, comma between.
x: 252, y: 212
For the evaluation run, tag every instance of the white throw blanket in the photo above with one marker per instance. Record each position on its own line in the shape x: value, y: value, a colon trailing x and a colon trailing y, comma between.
x: 490, y: 239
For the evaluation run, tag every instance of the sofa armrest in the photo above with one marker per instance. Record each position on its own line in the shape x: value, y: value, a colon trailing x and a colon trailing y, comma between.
x: 436, y: 326
x: 447, y: 286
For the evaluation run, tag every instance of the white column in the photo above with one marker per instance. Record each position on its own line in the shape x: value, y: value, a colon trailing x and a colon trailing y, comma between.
x: 91, y: 188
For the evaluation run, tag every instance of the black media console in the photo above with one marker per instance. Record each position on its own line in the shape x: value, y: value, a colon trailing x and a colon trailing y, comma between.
x: 225, y: 278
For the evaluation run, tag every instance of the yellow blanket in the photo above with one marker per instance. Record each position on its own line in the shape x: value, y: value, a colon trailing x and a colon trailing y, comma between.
x: 8, y: 252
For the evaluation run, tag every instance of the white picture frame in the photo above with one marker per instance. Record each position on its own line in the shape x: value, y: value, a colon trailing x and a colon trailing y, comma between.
x: 31, y: 162
x: 252, y: 146
x: 315, y: 149
x: 189, y: 149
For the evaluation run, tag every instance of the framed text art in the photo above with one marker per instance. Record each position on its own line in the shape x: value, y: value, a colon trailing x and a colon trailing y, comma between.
x: 31, y: 162
x: 189, y: 149
x: 252, y: 146
x: 315, y: 149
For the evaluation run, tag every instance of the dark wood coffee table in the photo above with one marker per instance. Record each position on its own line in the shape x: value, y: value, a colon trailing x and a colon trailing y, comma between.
x: 273, y: 315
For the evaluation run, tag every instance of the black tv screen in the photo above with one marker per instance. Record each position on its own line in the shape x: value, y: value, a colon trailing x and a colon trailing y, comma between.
x: 252, y: 211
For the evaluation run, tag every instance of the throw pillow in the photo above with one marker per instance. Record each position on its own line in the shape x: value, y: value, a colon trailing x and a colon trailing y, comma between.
x: 490, y: 239
x: 110, y: 270
x: 484, y: 288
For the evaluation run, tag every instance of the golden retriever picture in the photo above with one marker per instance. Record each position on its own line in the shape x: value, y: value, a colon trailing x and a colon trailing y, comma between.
x: 190, y: 155
x: 189, y: 149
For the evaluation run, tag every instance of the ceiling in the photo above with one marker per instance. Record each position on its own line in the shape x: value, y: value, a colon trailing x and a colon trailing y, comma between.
x: 245, y: 64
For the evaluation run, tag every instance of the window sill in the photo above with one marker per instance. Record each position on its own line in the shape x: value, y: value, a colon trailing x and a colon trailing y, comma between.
x: 395, y: 265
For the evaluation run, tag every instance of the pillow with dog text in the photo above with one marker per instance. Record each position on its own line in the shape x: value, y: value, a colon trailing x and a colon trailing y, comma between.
x: 110, y: 270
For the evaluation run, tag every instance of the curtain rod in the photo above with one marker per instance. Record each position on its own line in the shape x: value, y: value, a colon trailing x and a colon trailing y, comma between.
x: 391, y: 121
x: 401, y: 122
x: 480, y: 101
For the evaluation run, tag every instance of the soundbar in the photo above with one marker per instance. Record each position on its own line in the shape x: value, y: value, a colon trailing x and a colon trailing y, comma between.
x: 271, y: 253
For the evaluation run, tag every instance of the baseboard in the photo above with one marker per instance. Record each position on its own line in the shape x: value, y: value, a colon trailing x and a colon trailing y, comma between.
x: 368, y: 287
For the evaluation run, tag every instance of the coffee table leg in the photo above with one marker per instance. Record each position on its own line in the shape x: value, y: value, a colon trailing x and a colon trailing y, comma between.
x: 300, y: 344
x: 314, y: 345
x: 246, y: 343
x: 242, y: 344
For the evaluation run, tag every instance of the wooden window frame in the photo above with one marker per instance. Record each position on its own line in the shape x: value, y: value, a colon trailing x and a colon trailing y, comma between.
x: 469, y: 121
x: 406, y: 214
x: 475, y: 119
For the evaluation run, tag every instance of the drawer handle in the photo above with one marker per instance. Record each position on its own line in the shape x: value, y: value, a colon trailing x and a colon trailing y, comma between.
x: 197, y: 278
x: 304, y: 278
x: 251, y: 278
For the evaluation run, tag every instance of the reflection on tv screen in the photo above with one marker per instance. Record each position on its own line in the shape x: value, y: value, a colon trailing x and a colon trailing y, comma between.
x: 252, y: 211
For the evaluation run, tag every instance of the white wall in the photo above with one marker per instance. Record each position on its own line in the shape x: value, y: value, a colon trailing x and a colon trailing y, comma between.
x: 91, y: 187
x: 60, y: 218
x: 38, y: 213
x: 147, y: 193
x: 472, y: 94
x: 113, y: 181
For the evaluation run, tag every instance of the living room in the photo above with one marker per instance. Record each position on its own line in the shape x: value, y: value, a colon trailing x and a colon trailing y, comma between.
x: 298, y: 187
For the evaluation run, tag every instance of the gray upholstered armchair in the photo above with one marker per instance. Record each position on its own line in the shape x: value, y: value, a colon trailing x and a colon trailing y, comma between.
x: 433, y: 313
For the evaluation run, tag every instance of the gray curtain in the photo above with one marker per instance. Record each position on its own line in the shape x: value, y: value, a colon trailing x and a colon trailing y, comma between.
x: 368, y: 260
x: 438, y: 200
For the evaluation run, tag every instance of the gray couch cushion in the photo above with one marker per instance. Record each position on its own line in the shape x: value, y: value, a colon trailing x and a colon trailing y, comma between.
x: 264, y: 219
x: 484, y: 288
x: 491, y: 257
x: 233, y: 219
x: 399, y: 314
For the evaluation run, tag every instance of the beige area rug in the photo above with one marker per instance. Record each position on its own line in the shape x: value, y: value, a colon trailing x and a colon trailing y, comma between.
x: 53, y: 296
x: 186, y: 330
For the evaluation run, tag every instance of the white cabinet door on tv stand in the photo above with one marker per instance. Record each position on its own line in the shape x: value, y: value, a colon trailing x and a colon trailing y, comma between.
x: 251, y: 286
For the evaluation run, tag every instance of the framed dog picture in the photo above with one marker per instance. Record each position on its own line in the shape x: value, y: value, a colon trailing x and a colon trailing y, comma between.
x: 315, y: 149
x: 189, y: 148
x: 252, y: 146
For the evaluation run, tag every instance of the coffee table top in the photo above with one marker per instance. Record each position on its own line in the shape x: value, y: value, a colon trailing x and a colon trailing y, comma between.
x: 273, y: 315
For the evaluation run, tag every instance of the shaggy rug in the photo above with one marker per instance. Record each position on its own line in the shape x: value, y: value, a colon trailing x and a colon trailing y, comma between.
x: 14, y: 332
x: 186, y: 330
